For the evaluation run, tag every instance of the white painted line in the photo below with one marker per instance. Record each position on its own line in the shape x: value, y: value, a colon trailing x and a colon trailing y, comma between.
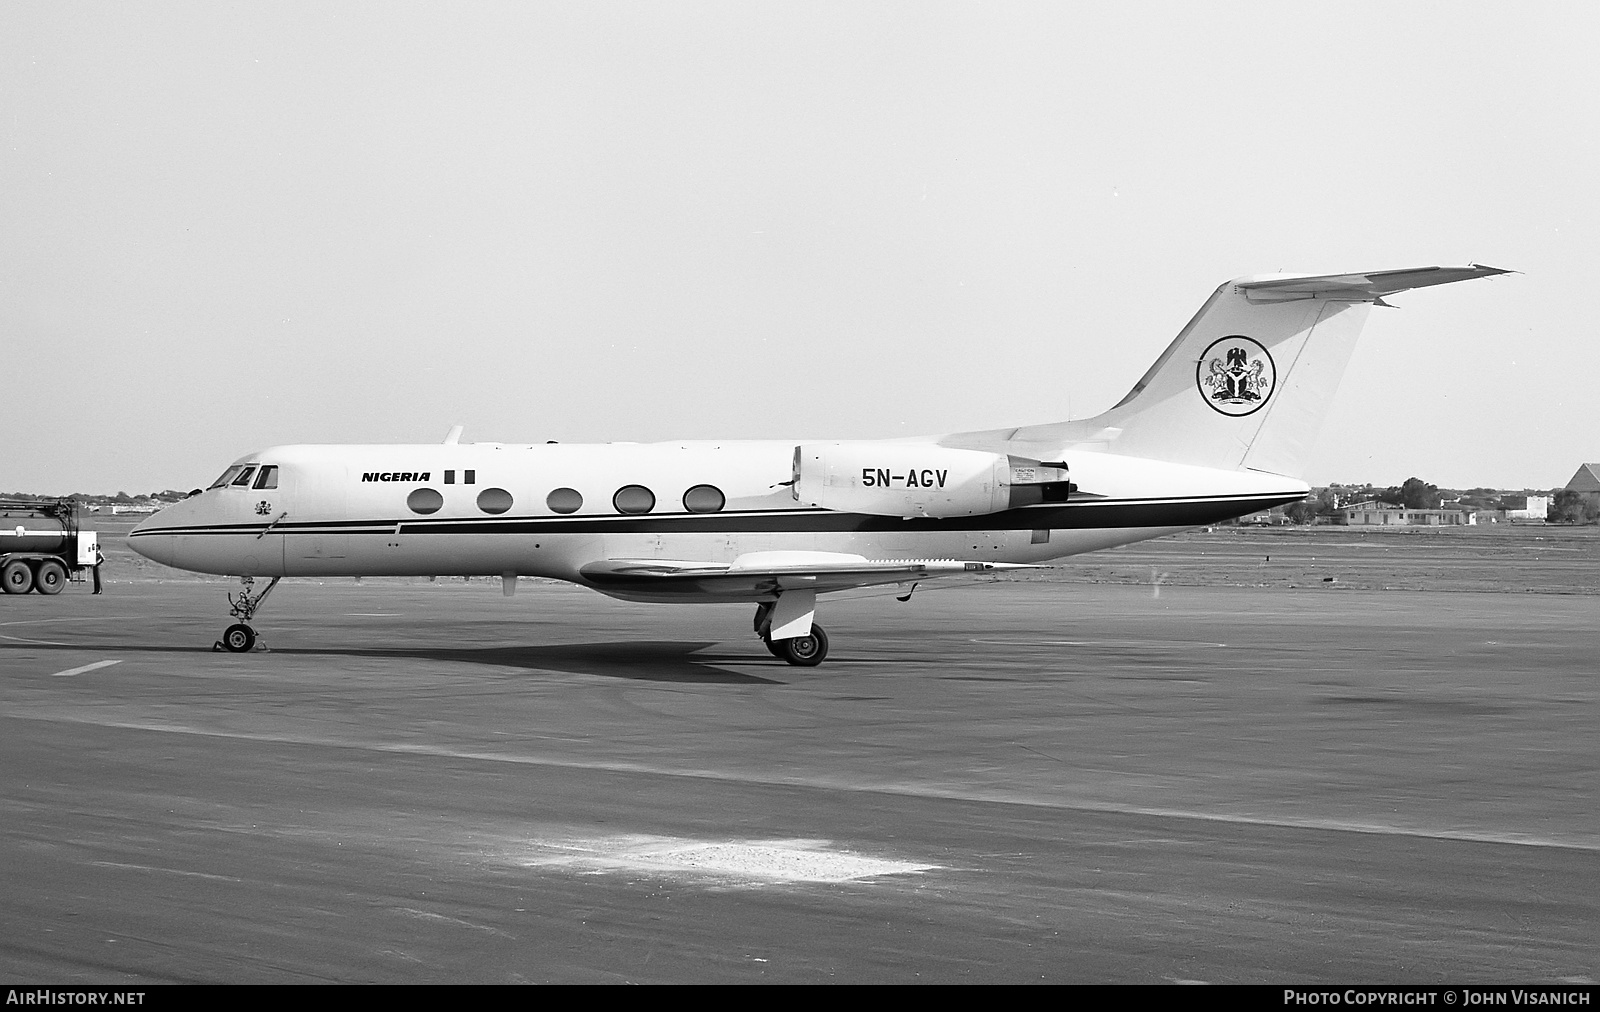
x: 24, y: 639
x: 87, y: 667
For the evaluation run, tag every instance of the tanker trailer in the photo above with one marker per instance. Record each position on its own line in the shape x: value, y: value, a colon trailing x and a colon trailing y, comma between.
x: 42, y: 547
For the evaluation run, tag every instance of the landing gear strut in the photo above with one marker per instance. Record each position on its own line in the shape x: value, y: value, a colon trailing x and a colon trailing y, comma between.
x: 239, y: 637
x: 803, y: 651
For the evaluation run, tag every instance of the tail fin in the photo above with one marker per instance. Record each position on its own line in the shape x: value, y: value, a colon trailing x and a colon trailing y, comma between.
x: 1248, y: 381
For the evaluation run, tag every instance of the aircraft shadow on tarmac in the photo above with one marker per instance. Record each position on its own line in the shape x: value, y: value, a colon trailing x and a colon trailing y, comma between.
x: 637, y: 660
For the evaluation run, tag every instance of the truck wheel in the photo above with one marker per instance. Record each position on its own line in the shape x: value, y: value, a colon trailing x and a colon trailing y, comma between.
x: 52, y: 577
x: 16, y: 577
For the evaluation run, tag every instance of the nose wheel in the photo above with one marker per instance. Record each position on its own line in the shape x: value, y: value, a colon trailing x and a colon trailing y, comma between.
x: 239, y: 638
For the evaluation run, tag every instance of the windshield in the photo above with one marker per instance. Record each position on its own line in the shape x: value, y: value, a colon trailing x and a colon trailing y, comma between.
x: 227, y: 476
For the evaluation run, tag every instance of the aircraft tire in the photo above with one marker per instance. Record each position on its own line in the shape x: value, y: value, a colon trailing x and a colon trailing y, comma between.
x: 16, y: 577
x: 239, y: 638
x: 52, y: 576
x: 772, y: 646
x: 804, y: 651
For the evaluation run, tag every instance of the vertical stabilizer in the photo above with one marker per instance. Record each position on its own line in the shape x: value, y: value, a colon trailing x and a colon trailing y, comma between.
x: 1248, y: 382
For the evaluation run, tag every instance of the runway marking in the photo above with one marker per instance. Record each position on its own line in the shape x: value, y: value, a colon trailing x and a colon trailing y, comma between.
x: 1170, y: 644
x: 47, y: 621
x: 428, y: 915
x: 373, y: 614
x: 167, y: 871
x: 87, y: 667
x: 827, y: 783
x: 66, y: 618
x: 759, y: 861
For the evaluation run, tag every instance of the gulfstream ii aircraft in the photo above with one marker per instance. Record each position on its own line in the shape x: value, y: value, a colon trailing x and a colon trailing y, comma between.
x: 1218, y: 427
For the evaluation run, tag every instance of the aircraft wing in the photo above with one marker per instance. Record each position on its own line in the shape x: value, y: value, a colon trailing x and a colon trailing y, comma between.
x: 1369, y: 287
x: 764, y: 575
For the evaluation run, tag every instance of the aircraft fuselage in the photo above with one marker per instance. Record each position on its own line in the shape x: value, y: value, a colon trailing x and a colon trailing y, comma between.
x: 490, y: 509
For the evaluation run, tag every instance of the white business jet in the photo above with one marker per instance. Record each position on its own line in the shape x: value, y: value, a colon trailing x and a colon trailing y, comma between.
x: 1219, y: 427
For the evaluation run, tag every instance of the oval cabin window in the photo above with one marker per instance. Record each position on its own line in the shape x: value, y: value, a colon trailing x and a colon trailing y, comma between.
x: 494, y: 500
x: 425, y: 501
x: 564, y: 500
x: 704, y: 499
x: 634, y: 499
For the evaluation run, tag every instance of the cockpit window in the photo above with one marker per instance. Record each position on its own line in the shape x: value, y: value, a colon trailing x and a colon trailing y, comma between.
x: 268, y: 478
x: 227, y: 476
x: 243, y: 481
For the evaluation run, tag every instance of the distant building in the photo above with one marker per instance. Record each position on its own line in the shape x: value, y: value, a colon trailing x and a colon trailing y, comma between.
x: 1266, y: 518
x: 1586, y: 483
x: 1384, y: 515
x: 1526, y: 507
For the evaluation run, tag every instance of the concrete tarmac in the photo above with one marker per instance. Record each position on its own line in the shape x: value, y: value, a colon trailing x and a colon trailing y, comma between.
x: 1017, y: 782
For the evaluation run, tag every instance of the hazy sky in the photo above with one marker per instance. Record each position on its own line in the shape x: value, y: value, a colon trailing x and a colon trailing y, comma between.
x: 225, y: 226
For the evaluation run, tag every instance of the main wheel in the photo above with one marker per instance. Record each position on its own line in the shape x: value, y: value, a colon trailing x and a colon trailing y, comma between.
x: 16, y: 577
x: 239, y: 638
x: 51, y: 578
x: 805, y: 651
x: 772, y: 646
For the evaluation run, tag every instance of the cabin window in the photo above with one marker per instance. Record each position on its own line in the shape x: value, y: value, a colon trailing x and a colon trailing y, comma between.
x: 243, y: 481
x: 704, y: 499
x: 425, y: 501
x: 268, y: 478
x: 564, y: 500
x: 471, y: 478
x: 449, y: 477
x: 494, y: 500
x: 227, y: 476
x: 634, y: 499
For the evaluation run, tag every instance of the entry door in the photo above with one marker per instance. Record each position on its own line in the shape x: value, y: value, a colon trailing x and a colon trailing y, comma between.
x: 319, y: 497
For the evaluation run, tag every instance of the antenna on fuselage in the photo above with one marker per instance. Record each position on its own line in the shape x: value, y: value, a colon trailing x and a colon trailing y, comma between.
x: 454, y: 435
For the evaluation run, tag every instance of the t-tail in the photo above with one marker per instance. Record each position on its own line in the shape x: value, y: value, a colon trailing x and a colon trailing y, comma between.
x: 1248, y: 382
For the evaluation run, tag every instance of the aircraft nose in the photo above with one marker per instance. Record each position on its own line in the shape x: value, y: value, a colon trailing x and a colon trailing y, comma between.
x: 147, y: 538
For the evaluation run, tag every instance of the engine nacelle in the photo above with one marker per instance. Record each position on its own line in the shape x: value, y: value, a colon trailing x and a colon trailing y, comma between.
x: 921, y: 479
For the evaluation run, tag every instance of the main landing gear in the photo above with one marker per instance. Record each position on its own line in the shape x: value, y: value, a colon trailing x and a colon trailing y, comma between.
x: 240, y: 638
x: 803, y: 651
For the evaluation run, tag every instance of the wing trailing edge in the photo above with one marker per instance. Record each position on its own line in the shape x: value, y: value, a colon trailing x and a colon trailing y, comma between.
x: 765, y: 575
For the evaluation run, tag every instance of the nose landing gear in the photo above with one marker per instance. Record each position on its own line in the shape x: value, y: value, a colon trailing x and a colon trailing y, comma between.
x: 239, y: 637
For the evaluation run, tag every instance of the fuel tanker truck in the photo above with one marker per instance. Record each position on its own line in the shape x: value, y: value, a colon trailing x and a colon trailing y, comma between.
x: 42, y: 547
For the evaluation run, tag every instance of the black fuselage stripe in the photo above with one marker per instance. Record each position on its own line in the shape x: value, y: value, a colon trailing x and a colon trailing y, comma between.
x: 1103, y: 515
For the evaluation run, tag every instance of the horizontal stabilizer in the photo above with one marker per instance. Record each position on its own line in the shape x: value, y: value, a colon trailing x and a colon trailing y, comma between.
x: 1370, y: 287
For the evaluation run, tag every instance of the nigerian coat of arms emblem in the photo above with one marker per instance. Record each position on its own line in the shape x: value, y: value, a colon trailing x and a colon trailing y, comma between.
x: 1236, y: 375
